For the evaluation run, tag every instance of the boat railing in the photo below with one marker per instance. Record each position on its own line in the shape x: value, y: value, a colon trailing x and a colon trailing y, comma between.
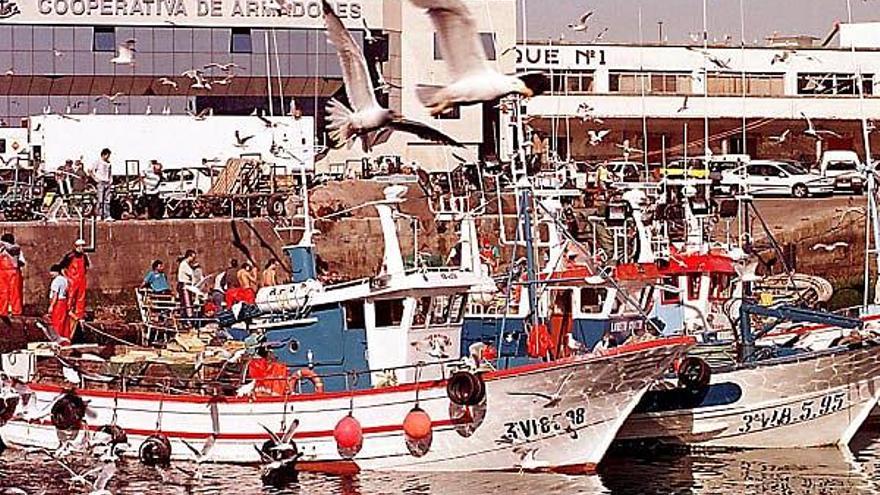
x: 230, y: 384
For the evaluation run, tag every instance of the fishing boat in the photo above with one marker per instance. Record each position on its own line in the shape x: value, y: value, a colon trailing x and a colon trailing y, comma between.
x: 374, y: 374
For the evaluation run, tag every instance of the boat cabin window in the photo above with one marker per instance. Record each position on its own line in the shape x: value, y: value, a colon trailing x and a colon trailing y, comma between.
x: 592, y: 299
x: 389, y: 312
x: 354, y: 315
x: 561, y: 302
x: 423, y: 309
x: 440, y: 310
x: 694, y: 285
x: 456, y: 309
x: 720, y: 286
x: 624, y: 306
x: 670, y: 296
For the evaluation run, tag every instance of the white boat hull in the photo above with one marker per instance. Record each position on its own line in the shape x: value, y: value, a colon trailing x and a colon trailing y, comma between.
x: 516, y: 431
x: 807, y: 401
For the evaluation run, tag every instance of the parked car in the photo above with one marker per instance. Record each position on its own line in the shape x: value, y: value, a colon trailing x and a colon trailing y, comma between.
x: 845, y: 168
x: 766, y: 177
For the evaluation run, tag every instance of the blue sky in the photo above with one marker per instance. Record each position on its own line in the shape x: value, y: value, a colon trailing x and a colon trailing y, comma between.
x: 681, y: 17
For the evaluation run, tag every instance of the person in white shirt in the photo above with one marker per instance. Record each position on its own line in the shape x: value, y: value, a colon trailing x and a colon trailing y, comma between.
x: 186, y: 277
x: 100, y: 172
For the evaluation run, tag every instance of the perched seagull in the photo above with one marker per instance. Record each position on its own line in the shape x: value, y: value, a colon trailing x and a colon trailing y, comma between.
x: 367, y: 118
x: 9, y: 72
x: 58, y: 53
x: 473, y: 79
x: 786, y: 55
x: 164, y: 81
x: 684, y: 104
x: 241, y: 141
x: 582, y: 22
x: 596, y: 137
x: 816, y: 133
x: 124, y: 53
x: 829, y: 247
x: 781, y: 138
x: 166, y: 110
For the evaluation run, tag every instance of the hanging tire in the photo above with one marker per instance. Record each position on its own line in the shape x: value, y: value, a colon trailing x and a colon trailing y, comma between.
x: 465, y: 388
x: 694, y: 374
x: 68, y: 412
x: 155, y: 451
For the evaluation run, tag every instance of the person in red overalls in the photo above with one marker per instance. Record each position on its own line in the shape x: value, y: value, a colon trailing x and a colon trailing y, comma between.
x: 59, y: 311
x: 8, y: 277
x: 9, y: 247
x: 270, y: 375
x: 76, y: 265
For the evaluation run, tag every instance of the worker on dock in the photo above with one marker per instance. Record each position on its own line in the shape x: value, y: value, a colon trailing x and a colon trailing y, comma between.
x: 59, y: 309
x: 100, y: 172
x: 76, y: 265
x: 11, y: 281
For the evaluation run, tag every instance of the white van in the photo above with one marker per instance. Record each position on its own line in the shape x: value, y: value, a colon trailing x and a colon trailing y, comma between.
x: 845, y: 168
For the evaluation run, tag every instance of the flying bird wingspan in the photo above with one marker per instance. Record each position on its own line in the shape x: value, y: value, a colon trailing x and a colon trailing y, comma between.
x: 457, y: 35
x: 358, y: 86
x: 423, y: 131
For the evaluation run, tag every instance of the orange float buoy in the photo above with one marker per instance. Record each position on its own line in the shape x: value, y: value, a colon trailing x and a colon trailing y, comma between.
x: 417, y: 424
x: 349, y: 437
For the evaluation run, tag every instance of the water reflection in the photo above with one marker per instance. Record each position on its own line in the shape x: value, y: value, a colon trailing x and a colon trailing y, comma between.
x: 643, y: 471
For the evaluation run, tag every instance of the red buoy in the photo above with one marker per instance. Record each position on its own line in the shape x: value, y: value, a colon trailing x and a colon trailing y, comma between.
x: 417, y: 432
x: 417, y: 424
x: 349, y: 437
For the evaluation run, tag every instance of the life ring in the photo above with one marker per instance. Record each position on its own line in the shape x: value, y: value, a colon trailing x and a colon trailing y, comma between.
x: 465, y: 388
x: 68, y: 412
x: 309, y: 375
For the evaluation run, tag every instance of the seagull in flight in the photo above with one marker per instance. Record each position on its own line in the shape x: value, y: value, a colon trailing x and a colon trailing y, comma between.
x: 816, y: 133
x: 684, y: 104
x: 164, y: 81
x: 601, y: 34
x: 124, y: 53
x: 829, y: 247
x: 111, y: 98
x: 241, y: 141
x: 473, y: 79
x: 366, y: 119
x: 781, y: 138
x: 596, y: 137
x: 224, y: 67
x: 716, y: 61
x: 198, y: 79
x: 553, y: 400
x: 582, y: 22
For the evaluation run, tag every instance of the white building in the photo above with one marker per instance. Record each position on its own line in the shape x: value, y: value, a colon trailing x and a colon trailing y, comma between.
x: 667, y: 86
x: 55, y: 56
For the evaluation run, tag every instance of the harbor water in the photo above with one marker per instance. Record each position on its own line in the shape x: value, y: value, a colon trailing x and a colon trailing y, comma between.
x: 624, y: 472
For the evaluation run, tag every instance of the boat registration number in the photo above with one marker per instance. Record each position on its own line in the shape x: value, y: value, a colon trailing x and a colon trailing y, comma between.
x: 528, y: 428
x: 791, y: 414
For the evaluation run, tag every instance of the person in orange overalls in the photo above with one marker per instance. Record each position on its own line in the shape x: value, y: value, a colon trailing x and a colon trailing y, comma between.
x: 59, y: 311
x: 270, y: 375
x: 76, y: 265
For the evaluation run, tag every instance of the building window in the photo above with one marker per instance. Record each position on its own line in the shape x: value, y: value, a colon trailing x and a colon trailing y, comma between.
x: 241, y: 41
x: 833, y: 84
x: 487, y: 39
x: 104, y: 39
x: 572, y: 82
x: 726, y: 84
x: 658, y: 83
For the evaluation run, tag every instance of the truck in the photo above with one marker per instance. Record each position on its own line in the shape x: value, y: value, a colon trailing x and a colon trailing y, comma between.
x: 176, y: 141
x: 845, y: 168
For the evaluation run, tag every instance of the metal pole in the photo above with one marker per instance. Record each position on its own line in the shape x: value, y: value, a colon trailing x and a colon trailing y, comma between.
x: 268, y: 74
x: 706, y: 149
x: 642, y: 78
x: 530, y: 254
x: 742, y: 45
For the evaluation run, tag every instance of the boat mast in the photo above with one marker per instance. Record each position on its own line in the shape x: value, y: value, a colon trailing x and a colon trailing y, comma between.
x: 871, y: 220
